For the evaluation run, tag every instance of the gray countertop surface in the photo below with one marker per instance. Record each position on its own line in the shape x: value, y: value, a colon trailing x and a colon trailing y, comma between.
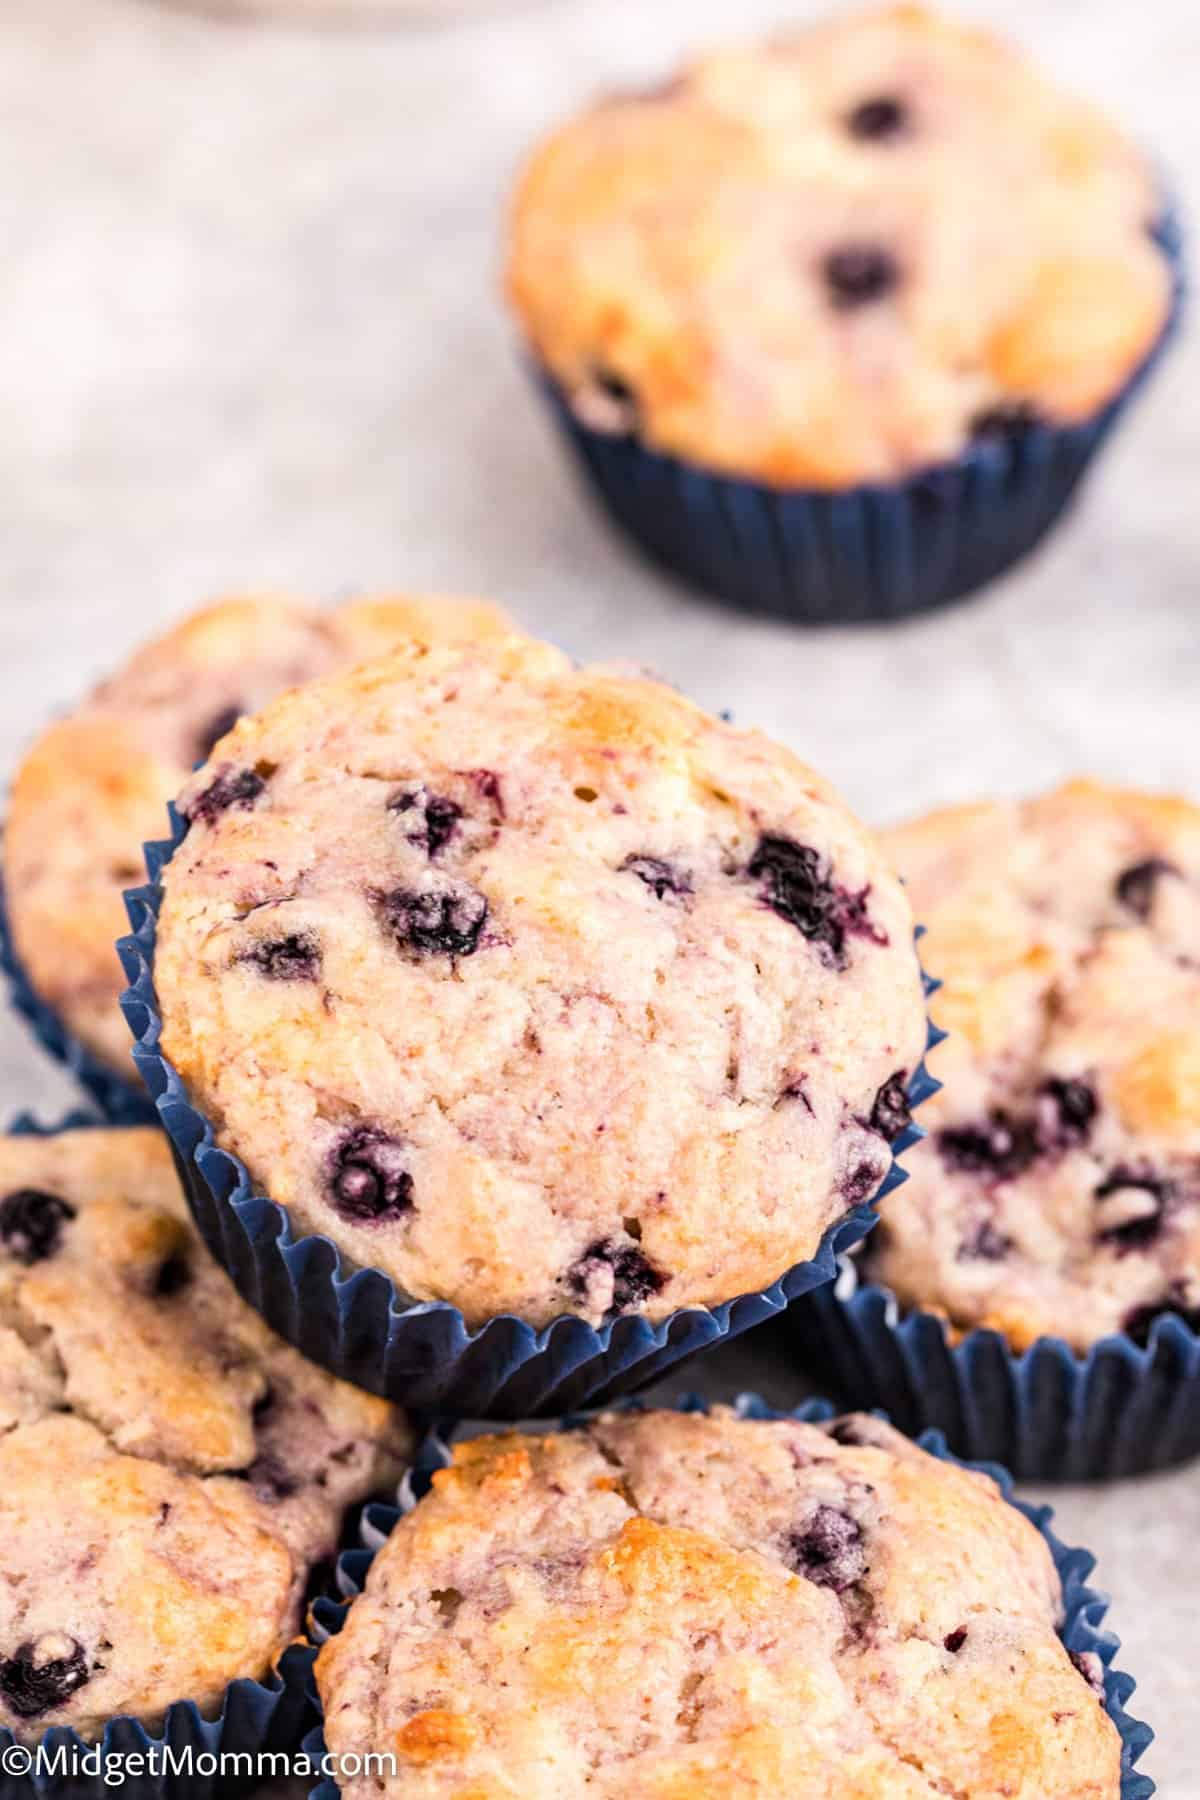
x: 250, y: 337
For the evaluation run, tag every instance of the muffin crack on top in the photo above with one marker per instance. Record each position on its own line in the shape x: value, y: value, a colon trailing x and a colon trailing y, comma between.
x: 668, y: 1604
x: 171, y: 1473
x: 1059, y: 1192
x: 789, y: 263
x: 536, y: 987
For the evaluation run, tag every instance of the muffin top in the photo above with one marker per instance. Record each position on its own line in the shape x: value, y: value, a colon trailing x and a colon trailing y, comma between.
x: 537, y: 987
x: 1059, y: 1191
x: 682, y: 1606
x: 94, y: 787
x: 791, y: 262
x: 169, y: 1470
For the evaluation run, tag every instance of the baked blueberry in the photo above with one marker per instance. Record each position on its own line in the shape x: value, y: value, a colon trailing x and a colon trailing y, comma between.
x: 1004, y: 424
x: 368, y: 1178
x: 211, y: 734
x: 35, y: 1680
x: 1000, y: 1147
x: 891, y: 1113
x: 801, y: 890
x: 1066, y: 1113
x: 662, y: 878
x: 174, y: 1275
x: 859, y: 274
x: 429, y: 820
x: 879, y: 120
x: 31, y: 1223
x: 634, y: 1276
x: 828, y: 1550
x: 295, y: 957
x: 436, y: 922
x: 234, y: 787
x: 1141, y: 1321
x: 1136, y: 886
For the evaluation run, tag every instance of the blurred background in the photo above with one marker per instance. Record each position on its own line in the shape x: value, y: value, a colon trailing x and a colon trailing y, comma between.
x: 251, y: 336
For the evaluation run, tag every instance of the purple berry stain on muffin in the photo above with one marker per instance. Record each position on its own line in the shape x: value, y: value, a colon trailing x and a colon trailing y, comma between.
x: 828, y: 1550
x: 859, y: 274
x: 1136, y: 887
x: 663, y: 879
x: 1091, y: 1668
x: 800, y: 890
x: 234, y: 787
x: 31, y: 1223
x: 891, y: 1113
x: 954, y: 1640
x: 1131, y: 1205
x: 436, y: 922
x: 428, y: 820
x: 294, y: 957
x: 634, y: 1277
x: 367, y: 1176
x: 880, y: 120
x: 999, y: 1148
x: 41, y: 1676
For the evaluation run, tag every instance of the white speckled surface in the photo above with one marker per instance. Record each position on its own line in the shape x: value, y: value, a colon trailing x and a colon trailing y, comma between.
x: 249, y: 336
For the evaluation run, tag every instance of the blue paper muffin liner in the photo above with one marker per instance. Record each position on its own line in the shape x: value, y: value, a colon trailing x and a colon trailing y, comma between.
x: 183, y: 1760
x: 1081, y: 1630
x: 356, y: 1322
x: 1049, y: 1413
x: 875, y: 552
x: 122, y: 1101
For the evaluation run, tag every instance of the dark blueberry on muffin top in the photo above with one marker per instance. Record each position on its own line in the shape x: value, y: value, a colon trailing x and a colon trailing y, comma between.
x: 31, y: 1223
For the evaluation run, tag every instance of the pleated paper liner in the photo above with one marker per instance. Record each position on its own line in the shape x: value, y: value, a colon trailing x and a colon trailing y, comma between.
x: 1048, y: 1413
x: 356, y: 1322
x: 1082, y: 1629
x: 873, y: 553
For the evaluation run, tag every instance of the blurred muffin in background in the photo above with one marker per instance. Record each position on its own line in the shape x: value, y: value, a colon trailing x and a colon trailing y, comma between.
x: 95, y: 785
x: 831, y: 263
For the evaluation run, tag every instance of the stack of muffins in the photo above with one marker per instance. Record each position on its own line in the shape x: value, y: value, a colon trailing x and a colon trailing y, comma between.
x: 505, y: 1031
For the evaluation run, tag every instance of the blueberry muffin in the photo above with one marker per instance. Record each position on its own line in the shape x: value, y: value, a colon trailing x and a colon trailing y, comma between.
x: 1059, y: 1191
x: 683, y: 1606
x: 789, y: 262
x: 536, y: 987
x: 170, y: 1472
x: 94, y: 787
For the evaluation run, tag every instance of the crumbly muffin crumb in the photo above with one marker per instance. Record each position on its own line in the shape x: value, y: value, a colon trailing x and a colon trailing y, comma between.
x: 535, y: 986
x: 1059, y: 1192
x: 170, y: 1472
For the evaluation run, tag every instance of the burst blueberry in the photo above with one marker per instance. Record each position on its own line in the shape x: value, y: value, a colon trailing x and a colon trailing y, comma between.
x: 799, y: 888
x: 436, y: 922
x: 31, y: 1685
x: 829, y: 1550
x: 295, y: 957
x: 634, y: 1277
x: 1067, y: 1111
x: 368, y: 1178
x: 233, y: 787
